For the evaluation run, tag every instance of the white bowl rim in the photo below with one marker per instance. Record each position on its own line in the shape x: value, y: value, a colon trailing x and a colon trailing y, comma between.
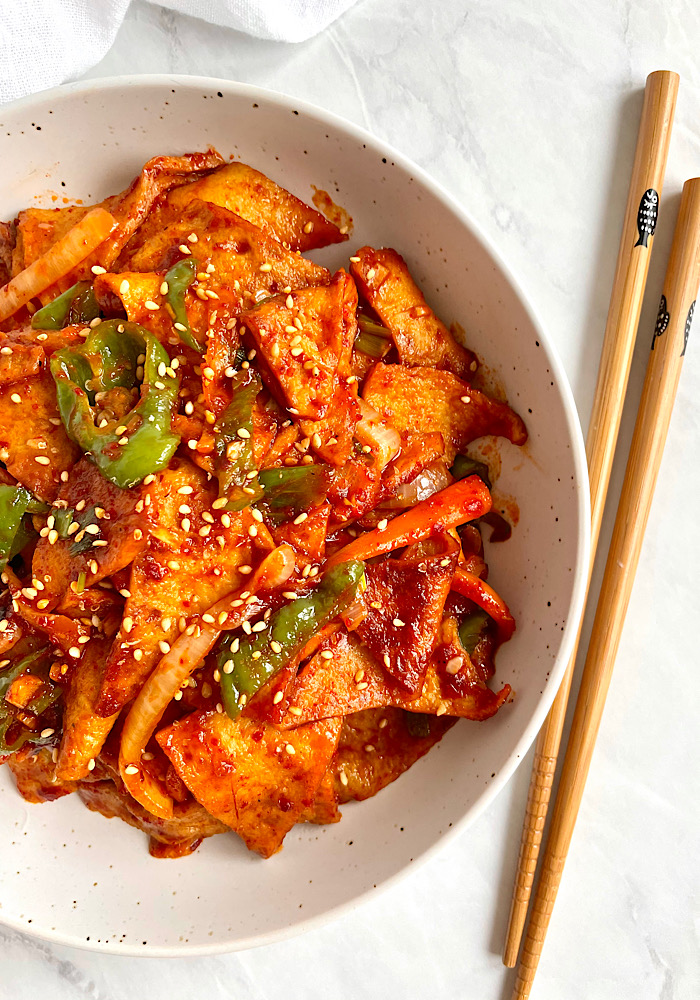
x: 579, y: 586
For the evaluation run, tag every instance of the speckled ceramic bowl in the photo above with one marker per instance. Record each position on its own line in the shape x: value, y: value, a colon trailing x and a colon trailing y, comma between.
x: 72, y: 876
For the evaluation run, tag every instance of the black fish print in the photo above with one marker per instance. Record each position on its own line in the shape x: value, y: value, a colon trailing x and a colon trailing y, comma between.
x: 647, y: 215
x: 688, y: 324
x: 662, y: 318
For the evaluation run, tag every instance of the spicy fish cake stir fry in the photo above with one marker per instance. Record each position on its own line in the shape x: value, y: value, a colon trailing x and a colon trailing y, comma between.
x: 243, y: 580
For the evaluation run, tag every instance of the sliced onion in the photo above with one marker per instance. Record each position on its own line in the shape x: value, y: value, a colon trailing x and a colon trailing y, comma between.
x: 175, y: 668
x: 384, y: 440
x: 65, y: 255
x: 431, y: 480
x: 354, y: 614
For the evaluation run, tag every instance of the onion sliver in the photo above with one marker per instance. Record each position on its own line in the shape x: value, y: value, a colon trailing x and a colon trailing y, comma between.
x: 384, y: 441
x: 175, y: 668
x: 65, y: 255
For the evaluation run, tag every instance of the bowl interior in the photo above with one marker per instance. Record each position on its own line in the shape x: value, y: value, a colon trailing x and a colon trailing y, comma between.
x: 74, y: 877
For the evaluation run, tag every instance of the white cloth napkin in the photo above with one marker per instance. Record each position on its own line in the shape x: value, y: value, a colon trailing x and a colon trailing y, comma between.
x: 46, y: 42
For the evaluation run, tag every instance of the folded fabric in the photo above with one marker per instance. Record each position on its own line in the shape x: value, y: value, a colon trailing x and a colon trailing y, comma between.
x: 46, y: 42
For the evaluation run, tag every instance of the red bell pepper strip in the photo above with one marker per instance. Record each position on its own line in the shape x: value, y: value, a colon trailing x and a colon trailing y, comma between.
x: 461, y: 502
x: 476, y: 590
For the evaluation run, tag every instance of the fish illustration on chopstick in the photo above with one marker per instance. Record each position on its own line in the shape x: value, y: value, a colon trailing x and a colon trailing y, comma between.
x: 647, y: 215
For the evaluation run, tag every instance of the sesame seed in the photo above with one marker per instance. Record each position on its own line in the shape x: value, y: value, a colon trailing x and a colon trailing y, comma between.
x: 45, y: 733
x: 128, y: 624
x: 246, y: 628
x: 165, y: 624
x: 125, y: 593
x: 355, y: 260
x: 327, y: 654
x: 42, y: 604
x: 253, y: 531
x: 289, y: 594
x: 225, y: 520
x: 387, y: 661
x: 256, y: 654
x: 473, y: 366
x: 164, y: 646
x: 275, y: 646
x: 131, y: 769
x: 343, y: 778
x: 454, y: 664
x: 173, y: 564
x: 29, y: 592
x: 266, y: 267
x: 206, y: 516
x: 185, y: 524
x: 359, y: 676
x: 397, y: 623
x: 192, y: 238
x: 183, y: 248
x: 209, y: 619
x: 96, y: 269
x: 91, y: 764
x: 185, y: 490
x: 42, y: 460
x: 74, y: 652
x: 16, y: 398
x: 371, y: 273
x: 442, y: 709
x: 5, y: 350
x: 223, y: 615
x: 466, y: 399
x: 259, y: 626
x: 382, y: 524
x: 300, y: 518
x: 151, y: 305
x: 94, y: 566
x: 290, y: 749
x: 375, y: 604
x: 362, y: 686
x: 243, y: 433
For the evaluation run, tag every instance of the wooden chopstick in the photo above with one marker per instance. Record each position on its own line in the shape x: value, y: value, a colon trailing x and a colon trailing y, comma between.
x: 618, y: 345
x: 650, y: 431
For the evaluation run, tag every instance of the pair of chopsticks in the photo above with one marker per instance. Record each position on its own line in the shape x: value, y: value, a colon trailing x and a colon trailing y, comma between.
x: 651, y: 428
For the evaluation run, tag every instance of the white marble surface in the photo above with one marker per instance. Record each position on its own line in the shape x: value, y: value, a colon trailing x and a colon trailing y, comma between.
x: 527, y: 111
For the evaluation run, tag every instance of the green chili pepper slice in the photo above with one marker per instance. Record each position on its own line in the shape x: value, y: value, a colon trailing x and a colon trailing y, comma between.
x: 464, y: 466
x: 233, y: 443
x: 295, y: 489
x: 76, y: 305
x: 7, y: 714
x: 14, y: 501
x: 292, y: 627
x: 179, y: 278
x: 472, y: 629
x: 108, y: 359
